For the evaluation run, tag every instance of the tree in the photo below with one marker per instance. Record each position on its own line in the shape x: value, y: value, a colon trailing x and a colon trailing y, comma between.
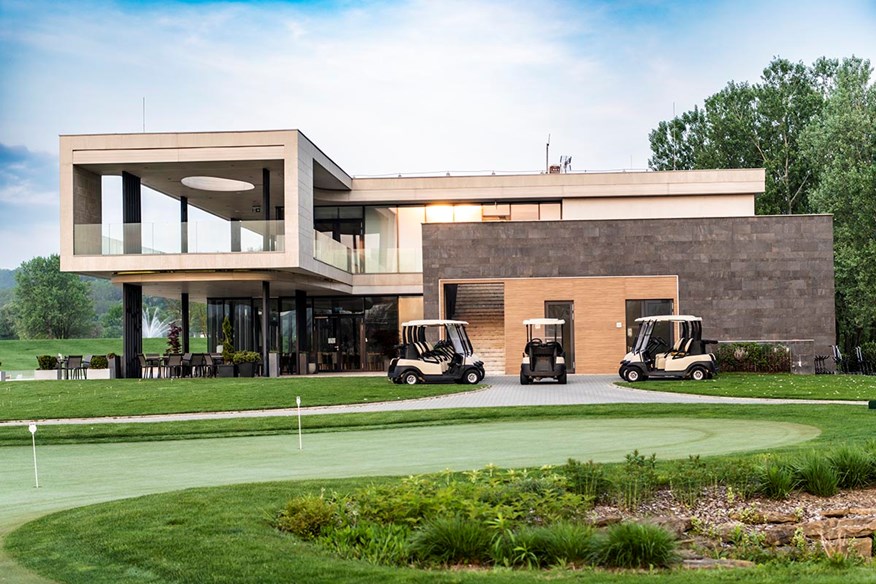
x: 752, y: 126
x: 841, y: 144
x: 111, y: 321
x: 49, y: 303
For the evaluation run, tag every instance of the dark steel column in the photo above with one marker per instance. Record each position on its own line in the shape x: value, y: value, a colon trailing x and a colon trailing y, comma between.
x: 131, y: 235
x: 266, y: 327
x: 184, y: 225
x: 132, y: 329
x: 184, y: 309
x: 301, y: 330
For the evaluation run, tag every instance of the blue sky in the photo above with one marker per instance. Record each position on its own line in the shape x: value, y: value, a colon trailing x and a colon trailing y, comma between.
x: 383, y: 87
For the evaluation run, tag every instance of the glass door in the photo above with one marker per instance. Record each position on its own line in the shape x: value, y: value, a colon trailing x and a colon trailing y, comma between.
x: 564, y: 309
x: 338, y: 342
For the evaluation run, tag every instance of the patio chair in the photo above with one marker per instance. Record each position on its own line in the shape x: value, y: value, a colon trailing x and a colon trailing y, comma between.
x: 146, y: 366
x: 76, y: 367
x: 209, y: 365
x: 173, y: 365
x: 186, y: 367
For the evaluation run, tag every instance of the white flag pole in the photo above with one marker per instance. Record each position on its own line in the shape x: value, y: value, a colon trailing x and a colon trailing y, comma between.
x: 298, y: 403
x: 36, y: 475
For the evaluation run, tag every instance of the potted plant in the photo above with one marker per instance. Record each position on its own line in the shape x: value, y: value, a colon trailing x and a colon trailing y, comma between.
x: 227, y: 368
x: 246, y: 362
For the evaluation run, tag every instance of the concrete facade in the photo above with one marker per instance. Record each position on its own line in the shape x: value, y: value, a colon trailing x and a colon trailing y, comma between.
x: 750, y: 278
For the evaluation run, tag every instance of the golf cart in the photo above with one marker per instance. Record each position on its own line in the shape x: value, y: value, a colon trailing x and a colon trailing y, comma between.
x: 423, y: 357
x: 653, y: 356
x: 543, y: 358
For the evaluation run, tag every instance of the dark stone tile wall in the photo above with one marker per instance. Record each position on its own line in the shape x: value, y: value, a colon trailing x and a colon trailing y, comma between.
x: 750, y: 278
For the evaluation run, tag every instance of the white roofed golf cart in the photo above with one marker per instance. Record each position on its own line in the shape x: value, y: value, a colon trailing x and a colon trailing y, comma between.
x: 543, y: 356
x: 435, y: 351
x: 654, y: 356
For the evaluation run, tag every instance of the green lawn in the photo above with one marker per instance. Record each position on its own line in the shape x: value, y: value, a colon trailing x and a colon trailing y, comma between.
x: 781, y: 386
x: 21, y: 355
x: 32, y: 400
x: 223, y: 535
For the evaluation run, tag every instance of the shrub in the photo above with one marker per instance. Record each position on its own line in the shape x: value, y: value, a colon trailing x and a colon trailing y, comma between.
x: 816, y: 475
x: 452, y: 540
x: 854, y: 467
x: 307, y: 516
x: 173, y: 343
x: 246, y: 357
x: 47, y: 362
x: 753, y: 358
x: 775, y: 479
x: 227, y: 342
x: 99, y: 362
x: 371, y: 542
x: 635, y: 545
x: 586, y: 479
x: 637, y: 480
x: 689, y: 479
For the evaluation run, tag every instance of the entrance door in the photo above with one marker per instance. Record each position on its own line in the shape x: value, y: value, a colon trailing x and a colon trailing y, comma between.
x: 339, y: 342
x: 564, y: 309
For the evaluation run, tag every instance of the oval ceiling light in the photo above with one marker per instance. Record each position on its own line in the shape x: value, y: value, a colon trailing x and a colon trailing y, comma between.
x: 214, y: 183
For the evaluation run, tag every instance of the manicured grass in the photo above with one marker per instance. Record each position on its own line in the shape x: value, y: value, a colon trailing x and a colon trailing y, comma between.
x: 839, y: 423
x: 224, y: 535
x: 779, y: 386
x: 21, y: 355
x: 32, y: 400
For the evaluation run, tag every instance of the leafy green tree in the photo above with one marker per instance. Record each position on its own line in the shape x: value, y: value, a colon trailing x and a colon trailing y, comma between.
x: 49, y: 303
x: 753, y: 126
x: 841, y: 144
x: 7, y: 321
x: 111, y: 321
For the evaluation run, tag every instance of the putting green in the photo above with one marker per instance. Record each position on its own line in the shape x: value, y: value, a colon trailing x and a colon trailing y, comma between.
x: 79, y: 474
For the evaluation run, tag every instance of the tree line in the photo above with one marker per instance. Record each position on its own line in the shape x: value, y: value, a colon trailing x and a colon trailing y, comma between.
x: 46, y: 303
x: 813, y: 129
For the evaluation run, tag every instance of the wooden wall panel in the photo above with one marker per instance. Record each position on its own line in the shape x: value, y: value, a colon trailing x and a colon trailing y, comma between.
x: 600, y: 303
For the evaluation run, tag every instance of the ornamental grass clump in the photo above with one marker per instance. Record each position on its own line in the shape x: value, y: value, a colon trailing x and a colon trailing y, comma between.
x: 816, y: 474
x: 452, y: 540
x: 635, y: 545
x: 557, y: 544
x: 775, y: 479
x: 854, y: 466
x: 370, y: 542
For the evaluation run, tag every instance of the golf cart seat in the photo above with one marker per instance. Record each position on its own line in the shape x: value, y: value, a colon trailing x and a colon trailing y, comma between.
x: 543, y: 359
x: 542, y: 356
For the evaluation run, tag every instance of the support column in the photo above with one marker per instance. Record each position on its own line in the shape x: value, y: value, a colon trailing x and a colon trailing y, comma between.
x: 132, y: 329
x: 301, y: 331
x: 266, y: 327
x: 132, y: 229
x: 184, y: 225
x: 235, y: 234
x: 267, y: 244
x: 184, y: 309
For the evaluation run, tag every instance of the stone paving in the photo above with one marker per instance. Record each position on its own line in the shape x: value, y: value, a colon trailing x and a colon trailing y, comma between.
x: 504, y: 390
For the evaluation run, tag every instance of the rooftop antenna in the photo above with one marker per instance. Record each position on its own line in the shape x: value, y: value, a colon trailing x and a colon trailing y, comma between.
x: 547, y: 150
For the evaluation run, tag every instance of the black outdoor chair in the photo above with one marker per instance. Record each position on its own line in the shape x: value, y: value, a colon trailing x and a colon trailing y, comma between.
x: 76, y: 368
x: 173, y: 365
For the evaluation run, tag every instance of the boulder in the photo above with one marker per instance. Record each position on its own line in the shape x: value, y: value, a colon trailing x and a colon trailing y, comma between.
x: 840, y: 528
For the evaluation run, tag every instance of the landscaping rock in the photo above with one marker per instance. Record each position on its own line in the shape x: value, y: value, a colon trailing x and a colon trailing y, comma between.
x: 779, y: 534
x: 867, y: 511
x: 677, y: 525
x: 840, y: 528
x: 775, y: 517
x: 715, y: 564
x: 860, y: 546
x: 607, y: 520
x: 726, y: 531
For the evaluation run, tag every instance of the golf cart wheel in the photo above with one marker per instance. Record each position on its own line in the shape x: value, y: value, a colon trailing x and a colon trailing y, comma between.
x: 410, y: 378
x: 698, y: 374
x: 562, y: 379
x: 471, y: 377
x: 634, y: 374
x: 524, y: 380
x: 622, y: 372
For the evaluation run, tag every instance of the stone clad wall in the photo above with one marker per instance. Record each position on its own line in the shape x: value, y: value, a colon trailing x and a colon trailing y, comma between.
x: 751, y: 278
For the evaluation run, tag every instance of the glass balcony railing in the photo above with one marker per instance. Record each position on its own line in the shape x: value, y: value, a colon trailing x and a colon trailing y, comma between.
x: 366, y: 261
x: 177, y: 238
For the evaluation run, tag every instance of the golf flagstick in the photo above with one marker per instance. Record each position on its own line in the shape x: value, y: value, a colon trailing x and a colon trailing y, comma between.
x: 36, y: 475
x: 298, y: 403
